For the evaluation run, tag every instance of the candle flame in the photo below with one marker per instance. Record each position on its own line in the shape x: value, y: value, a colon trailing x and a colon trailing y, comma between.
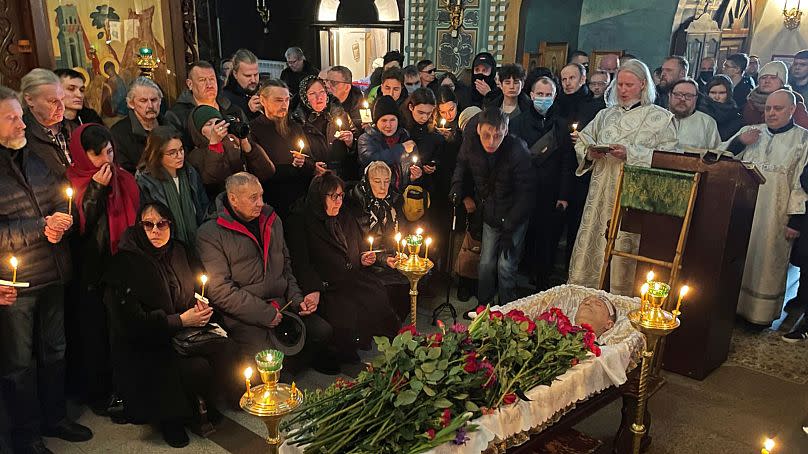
x: 415, y: 159
x: 419, y: 231
x: 575, y: 126
x: 650, y: 276
x: 365, y: 104
x: 443, y: 122
x: 370, y: 240
x: 204, y: 279
x: 398, y: 237
x: 684, y: 291
x: 248, y: 373
x: 14, y: 262
x: 339, y: 122
x: 429, y: 241
x: 768, y: 444
x: 301, y: 144
x: 69, y: 192
x: 404, y: 243
x: 644, y: 289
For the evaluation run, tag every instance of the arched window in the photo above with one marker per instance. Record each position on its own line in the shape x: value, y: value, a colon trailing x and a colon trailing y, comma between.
x: 387, y: 10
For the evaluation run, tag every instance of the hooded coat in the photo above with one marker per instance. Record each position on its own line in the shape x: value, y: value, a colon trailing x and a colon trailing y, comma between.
x: 326, y: 256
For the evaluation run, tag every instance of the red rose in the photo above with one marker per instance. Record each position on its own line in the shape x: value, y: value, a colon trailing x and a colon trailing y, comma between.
x: 509, y: 398
x: 531, y: 326
x: 435, y: 339
x: 480, y: 309
x: 410, y: 328
x: 471, y: 363
x: 430, y: 433
x: 496, y: 314
x: 446, y: 417
x: 574, y: 362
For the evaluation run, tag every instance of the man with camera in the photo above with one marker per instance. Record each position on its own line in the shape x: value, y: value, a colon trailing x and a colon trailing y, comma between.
x: 222, y: 148
x: 203, y: 90
x: 242, y: 86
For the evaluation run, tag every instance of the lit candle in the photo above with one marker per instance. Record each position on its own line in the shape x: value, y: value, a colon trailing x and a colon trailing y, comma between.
x: 301, y: 145
x: 428, y: 242
x: 14, y: 264
x: 365, y: 104
x: 682, y: 294
x: 442, y: 122
x: 403, y: 245
x: 650, y: 276
x: 339, y: 124
x: 69, y: 192
x: 419, y: 231
x: 575, y: 127
x: 643, y: 294
x: 398, y: 242
x: 414, y: 159
x: 370, y: 240
x: 247, y: 375
x: 204, y: 279
x: 768, y: 446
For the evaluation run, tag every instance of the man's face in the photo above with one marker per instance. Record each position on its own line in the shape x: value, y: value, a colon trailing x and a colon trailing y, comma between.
x: 799, y: 69
x: 12, y: 128
x: 203, y: 84
x: 247, y: 201
x: 707, y: 64
x: 542, y: 89
x: 779, y: 110
x: 683, y: 100
x: 392, y: 88
x: 609, y: 63
x: 769, y: 83
x: 145, y: 102
x: 427, y: 75
x: 594, y: 312
x: 388, y: 125
x: 47, y: 104
x: 338, y: 86
x: 671, y: 73
x: 295, y: 63
x: 629, y: 88
x: 754, y: 65
x: 482, y: 69
x: 275, y: 102
x: 247, y: 76
x: 512, y: 87
x: 731, y: 69
x: 598, y: 84
x: 421, y: 113
x: 491, y: 137
x: 74, y: 93
x: 411, y: 79
x: 581, y: 60
x: 571, y: 80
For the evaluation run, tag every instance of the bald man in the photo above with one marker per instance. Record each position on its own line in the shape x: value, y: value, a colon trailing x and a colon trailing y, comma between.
x: 779, y: 150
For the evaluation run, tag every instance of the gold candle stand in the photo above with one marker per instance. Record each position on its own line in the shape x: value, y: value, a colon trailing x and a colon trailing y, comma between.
x: 414, y: 268
x: 271, y: 401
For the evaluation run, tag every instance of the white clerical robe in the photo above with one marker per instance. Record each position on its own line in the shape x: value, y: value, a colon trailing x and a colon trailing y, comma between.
x: 641, y: 130
x: 781, y: 159
x: 697, y: 131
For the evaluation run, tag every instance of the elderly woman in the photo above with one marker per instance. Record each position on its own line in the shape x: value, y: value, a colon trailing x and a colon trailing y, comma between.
x: 219, y: 154
x: 387, y: 140
x: 626, y: 133
x: 108, y: 199
x: 330, y: 256
x: 147, y: 309
x: 720, y: 105
x: 163, y: 177
x: 327, y: 126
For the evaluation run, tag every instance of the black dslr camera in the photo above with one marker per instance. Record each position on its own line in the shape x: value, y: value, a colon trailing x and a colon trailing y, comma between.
x: 237, y: 127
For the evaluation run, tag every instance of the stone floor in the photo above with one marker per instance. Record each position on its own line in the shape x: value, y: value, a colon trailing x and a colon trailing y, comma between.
x: 731, y: 411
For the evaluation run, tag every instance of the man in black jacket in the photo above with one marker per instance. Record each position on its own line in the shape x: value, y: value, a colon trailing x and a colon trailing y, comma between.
x: 503, y: 181
x: 76, y: 114
x: 298, y: 68
x: 242, y: 86
x: 46, y: 133
x: 32, y: 224
x: 143, y: 99
x: 203, y: 89
x: 554, y: 163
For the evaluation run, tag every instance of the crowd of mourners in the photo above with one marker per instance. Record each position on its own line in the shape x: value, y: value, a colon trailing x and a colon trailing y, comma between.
x: 271, y: 188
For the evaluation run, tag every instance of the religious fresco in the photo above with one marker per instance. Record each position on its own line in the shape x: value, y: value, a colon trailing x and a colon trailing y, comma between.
x: 101, y: 40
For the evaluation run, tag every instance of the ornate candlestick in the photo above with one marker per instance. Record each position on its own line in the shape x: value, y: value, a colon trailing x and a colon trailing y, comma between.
x: 271, y: 401
x: 414, y: 268
x: 655, y: 323
x: 146, y: 62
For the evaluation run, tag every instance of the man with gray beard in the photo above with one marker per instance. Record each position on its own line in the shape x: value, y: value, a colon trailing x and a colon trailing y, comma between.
x: 130, y: 133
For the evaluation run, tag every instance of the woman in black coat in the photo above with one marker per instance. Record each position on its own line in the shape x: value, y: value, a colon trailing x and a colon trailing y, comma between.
x: 330, y: 256
x: 720, y: 105
x: 146, y: 309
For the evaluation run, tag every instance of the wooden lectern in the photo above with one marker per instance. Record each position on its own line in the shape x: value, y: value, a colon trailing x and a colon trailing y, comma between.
x: 713, y: 260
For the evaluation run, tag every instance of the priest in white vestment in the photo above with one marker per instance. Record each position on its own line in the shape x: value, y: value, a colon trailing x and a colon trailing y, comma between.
x: 694, y: 129
x: 627, y: 132
x: 779, y: 149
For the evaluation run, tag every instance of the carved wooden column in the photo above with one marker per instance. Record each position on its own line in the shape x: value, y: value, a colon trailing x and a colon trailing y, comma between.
x: 15, y: 26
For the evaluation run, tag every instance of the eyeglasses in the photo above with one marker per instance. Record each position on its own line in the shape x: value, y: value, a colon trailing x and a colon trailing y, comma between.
x: 729, y: 66
x: 174, y: 153
x: 597, y: 84
x: 292, y: 62
x: 336, y: 196
x: 334, y: 82
x: 684, y: 96
x: 162, y: 224
x: 429, y: 71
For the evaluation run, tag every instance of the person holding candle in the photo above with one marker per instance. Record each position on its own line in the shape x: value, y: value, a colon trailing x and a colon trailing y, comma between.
x: 250, y: 275
x: 387, y: 140
x: 279, y: 134
x: 339, y: 83
x: 146, y: 309
x: 219, y: 154
x: 330, y: 258
x: 107, y: 200
x: 331, y: 144
x: 32, y: 372
x: 163, y: 177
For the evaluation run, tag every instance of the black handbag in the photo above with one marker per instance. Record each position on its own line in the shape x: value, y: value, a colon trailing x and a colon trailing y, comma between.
x: 198, y: 341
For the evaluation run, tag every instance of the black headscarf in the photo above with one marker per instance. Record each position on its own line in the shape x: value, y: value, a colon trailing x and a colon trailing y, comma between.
x: 315, y: 206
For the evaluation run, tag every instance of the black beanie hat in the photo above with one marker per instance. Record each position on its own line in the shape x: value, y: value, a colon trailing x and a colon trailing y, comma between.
x: 385, y: 105
x: 394, y: 55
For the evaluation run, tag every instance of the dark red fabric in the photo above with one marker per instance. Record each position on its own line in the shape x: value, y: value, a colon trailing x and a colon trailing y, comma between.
x: 392, y: 140
x: 123, y: 201
x: 216, y: 147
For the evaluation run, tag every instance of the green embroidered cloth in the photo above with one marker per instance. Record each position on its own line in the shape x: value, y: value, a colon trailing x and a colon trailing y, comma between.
x: 656, y: 190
